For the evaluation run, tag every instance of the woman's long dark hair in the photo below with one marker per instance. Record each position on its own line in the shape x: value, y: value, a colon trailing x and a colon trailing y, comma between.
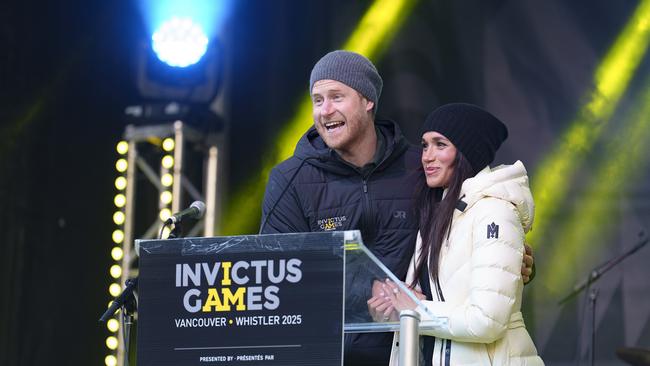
x: 436, y: 215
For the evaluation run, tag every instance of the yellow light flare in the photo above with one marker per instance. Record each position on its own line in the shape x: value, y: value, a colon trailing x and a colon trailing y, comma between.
x: 167, y: 180
x: 110, y: 360
x: 117, y: 253
x: 167, y: 161
x: 168, y: 144
x: 165, y: 213
x: 114, y: 289
x: 119, y: 217
x: 122, y: 147
x: 166, y: 197
x: 551, y: 180
x: 116, y: 271
x: 111, y: 343
x: 584, y: 230
x: 118, y: 236
x: 120, y: 183
x: 113, y: 325
x: 121, y: 165
x: 120, y: 200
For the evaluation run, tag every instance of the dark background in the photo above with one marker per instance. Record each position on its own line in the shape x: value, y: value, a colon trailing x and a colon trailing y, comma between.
x: 67, y: 71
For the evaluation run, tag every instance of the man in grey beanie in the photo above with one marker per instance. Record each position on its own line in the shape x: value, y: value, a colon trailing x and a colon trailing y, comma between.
x: 345, y: 88
x: 352, y: 170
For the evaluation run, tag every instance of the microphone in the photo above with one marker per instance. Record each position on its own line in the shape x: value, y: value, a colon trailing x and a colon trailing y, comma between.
x: 321, y: 158
x: 195, y: 211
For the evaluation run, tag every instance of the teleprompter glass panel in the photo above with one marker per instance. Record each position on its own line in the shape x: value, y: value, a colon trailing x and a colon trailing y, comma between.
x: 363, y: 270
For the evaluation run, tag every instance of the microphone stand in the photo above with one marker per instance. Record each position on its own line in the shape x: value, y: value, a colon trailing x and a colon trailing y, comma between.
x: 595, y: 274
x: 174, y: 231
x: 127, y: 301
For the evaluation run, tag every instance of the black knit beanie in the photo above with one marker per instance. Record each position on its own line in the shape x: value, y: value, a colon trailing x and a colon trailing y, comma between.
x: 351, y: 69
x: 474, y: 131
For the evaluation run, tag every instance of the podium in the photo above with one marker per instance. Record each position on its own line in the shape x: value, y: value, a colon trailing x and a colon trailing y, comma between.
x: 284, y: 299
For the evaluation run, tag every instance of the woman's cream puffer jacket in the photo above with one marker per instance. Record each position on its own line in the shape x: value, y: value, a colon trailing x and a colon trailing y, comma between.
x: 480, y: 275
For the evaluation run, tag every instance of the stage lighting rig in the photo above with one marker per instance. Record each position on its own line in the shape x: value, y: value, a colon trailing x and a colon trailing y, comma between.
x: 179, y: 42
x: 180, y: 64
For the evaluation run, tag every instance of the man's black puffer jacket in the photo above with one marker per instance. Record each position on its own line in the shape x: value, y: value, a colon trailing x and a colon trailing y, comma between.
x: 328, y: 194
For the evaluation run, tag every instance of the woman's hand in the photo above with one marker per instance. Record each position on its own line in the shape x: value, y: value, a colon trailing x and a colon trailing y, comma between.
x: 379, y: 305
x: 527, y: 271
x: 399, y: 299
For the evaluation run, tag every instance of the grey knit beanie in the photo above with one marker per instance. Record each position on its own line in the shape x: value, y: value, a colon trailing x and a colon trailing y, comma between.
x: 353, y: 70
x: 474, y: 131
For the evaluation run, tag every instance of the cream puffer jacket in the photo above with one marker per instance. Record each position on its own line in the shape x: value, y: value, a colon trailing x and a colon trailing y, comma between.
x: 480, y: 275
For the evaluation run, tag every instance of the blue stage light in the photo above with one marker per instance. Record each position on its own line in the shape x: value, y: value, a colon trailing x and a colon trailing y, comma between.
x: 179, y: 42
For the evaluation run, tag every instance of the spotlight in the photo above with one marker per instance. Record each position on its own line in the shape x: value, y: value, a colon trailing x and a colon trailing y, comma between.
x: 179, y: 42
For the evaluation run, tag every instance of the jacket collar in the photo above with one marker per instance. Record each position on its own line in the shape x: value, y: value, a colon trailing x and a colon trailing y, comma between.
x: 505, y: 182
x: 312, y: 145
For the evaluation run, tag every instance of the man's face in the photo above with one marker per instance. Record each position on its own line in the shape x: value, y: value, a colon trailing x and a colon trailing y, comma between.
x: 342, y: 116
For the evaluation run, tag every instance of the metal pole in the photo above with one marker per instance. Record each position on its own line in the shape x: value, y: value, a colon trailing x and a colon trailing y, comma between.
x: 211, y: 191
x: 409, y: 321
x: 178, y: 166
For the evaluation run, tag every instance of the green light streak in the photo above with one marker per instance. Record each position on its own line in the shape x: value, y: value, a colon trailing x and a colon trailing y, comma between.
x: 551, y: 179
x: 583, y: 232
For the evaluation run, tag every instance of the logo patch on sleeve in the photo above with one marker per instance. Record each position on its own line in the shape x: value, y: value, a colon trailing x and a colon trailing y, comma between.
x: 493, y: 231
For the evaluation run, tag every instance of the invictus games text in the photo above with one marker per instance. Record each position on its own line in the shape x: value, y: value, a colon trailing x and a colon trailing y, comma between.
x: 246, y: 285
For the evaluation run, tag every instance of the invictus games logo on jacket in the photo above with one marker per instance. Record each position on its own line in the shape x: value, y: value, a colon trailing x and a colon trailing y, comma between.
x: 331, y: 223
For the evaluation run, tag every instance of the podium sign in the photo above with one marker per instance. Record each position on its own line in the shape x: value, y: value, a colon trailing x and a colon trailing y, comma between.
x: 250, y: 300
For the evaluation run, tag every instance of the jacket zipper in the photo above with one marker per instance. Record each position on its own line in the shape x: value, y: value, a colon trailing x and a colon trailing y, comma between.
x: 367, y: 207
x: 367, y: 212
x: 445, y: 344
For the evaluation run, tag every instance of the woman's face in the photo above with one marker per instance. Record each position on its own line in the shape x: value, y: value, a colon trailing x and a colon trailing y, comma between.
x: 438, y: 155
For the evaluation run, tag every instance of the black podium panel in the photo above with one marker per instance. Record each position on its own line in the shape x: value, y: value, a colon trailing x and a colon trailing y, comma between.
x: 250, y: 300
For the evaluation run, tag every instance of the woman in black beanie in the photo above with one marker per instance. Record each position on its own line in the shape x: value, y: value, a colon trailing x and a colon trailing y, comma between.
x: 468, y: 255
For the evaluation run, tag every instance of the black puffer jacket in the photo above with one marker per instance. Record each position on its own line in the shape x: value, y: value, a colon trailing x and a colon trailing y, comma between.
x: 328, y: 194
